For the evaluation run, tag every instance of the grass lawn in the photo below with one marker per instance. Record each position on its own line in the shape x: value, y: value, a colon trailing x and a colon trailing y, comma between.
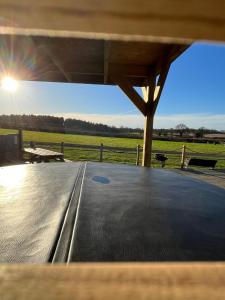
x: 85, y: 154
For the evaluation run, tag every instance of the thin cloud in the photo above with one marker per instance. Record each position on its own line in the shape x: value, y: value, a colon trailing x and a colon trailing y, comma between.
x: 161, y: 121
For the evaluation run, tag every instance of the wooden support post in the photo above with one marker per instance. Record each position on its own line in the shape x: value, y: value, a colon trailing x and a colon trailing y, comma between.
x: 20, y: 145
x: 152, y: 93
x: 183, y: 156
x: 148, y: 93
x: 147, y: 146
x: 62, y: 148
x: 147, y: 104
x: 101, y: 153
x: 138, y: 155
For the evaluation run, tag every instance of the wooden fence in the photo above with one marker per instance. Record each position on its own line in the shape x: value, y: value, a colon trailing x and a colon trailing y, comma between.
x: 135, y: 151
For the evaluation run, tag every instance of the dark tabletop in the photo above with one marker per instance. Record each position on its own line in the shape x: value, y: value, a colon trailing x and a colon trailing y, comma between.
x: 103, y: 212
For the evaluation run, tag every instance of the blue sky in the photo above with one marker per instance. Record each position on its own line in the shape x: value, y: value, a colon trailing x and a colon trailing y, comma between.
x: 194, y: 94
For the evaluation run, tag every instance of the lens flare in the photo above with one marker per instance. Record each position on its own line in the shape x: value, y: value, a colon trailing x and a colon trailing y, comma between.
x: 9, y: 84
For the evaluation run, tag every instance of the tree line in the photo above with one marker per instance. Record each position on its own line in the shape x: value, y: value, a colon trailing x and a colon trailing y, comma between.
x: 61, y: 125
x: 181, y: 130
x: 32, y: 122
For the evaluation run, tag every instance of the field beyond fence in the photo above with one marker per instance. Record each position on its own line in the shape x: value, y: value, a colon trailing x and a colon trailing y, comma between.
x: 79, y: 152
x: 119, y: 150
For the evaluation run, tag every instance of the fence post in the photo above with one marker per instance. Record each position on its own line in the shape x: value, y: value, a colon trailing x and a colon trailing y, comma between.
x: 20, y: 144
x: 138, y: 155
x: 183, y: 156
x: 62, y: 148
x: 101, y: 153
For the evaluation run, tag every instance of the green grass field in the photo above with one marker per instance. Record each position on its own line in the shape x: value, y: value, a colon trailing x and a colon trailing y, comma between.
x: 86, y: 154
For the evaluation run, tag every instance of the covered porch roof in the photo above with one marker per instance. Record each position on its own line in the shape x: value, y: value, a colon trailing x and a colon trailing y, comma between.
x: 81, y: 60
x: 105, y: 42
x: 95, y: 61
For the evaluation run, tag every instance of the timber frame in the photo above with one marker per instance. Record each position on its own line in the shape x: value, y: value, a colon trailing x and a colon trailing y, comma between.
x: 147, y: 105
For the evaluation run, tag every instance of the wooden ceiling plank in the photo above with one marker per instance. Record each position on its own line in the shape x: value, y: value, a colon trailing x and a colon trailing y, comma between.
x: 106, y: 60
x: 134, y: 70
x: 57, y: 64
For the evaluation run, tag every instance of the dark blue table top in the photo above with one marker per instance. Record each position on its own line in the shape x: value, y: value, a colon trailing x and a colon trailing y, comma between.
x: 103, y: 212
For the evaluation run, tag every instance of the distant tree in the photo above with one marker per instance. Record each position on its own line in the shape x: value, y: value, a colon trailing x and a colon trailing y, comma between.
x: 181, y: 129
x: 200, y: 132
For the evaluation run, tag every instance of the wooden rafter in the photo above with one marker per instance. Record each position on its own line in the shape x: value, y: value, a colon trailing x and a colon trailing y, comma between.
x: 56, y: 63
x: 106, y: 60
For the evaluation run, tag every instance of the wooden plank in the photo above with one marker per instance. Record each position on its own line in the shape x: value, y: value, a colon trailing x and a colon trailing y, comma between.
x: 129, y: 69
x: 131, y: 281
x: 42, y: 152
x: 161, y: 20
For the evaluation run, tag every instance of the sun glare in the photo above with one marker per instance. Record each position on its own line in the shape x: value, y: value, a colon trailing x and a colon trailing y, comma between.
x: 11, y: 177
x: 9, y: 84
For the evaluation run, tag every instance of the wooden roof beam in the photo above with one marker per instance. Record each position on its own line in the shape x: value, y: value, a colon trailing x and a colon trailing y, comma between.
x: 160, y: 85
x: 131, y: 93
x: 153, y: 88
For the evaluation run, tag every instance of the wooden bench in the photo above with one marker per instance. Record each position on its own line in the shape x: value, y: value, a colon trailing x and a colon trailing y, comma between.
x: 199, y: 162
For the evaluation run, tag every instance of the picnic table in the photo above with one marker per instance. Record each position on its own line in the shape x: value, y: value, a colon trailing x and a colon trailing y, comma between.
x: 43, y: 155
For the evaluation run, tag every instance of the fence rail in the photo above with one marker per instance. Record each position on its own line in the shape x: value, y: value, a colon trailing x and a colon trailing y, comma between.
x: 134, y: 150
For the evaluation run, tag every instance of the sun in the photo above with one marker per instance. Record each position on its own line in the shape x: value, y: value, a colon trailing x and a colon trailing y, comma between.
x: 9, y: 84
